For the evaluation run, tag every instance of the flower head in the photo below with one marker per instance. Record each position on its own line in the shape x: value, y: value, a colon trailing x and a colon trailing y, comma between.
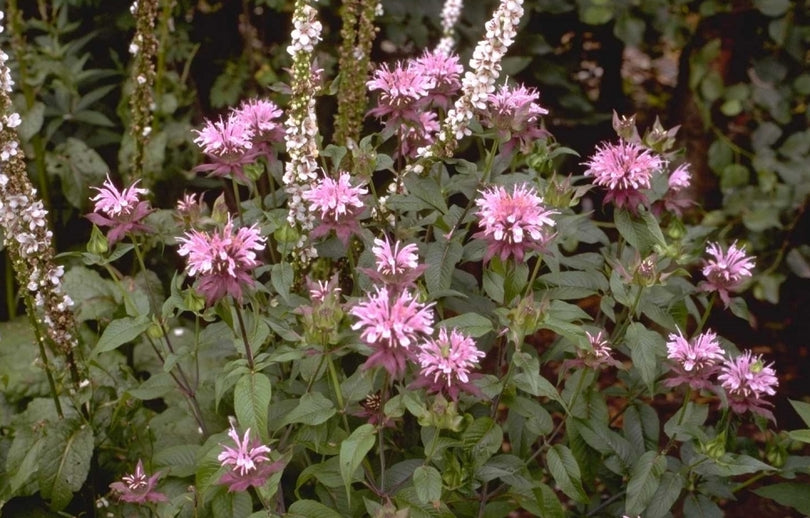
x: 445, y: 72
x: 259, y: 115
x: 248, y: 463
x: 446, y: 363
x: 397, y: 266
x: 693, y: 362
x: 401, y: 89
x: 599, y: 355
x: 222, y: 259
x: 727, y: 270
x: 624, y: 169
x: 122, y: 210
x: 339, y: 205
x: 513, y: 223
x: 391, y: 324
x: 746, y: 380
x: 228, y: 143
x: 138, y: 487
x: 515, y: 114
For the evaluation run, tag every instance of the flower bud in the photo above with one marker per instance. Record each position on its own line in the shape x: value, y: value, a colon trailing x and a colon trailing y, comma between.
x: 98, y: 242
x: 194, y: 302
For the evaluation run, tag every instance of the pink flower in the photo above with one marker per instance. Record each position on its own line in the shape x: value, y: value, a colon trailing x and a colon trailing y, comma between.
x: 222, y: 260
x: 138, y: 488
x: 391, y: 324
x: 446, y: 363
x: 397, y: 267
x: 190, y: 208
x: 515, y: 114
x: 414, y: 136
x: 726, y: 271
x: 122, y: 211
x: 513, y: 223
x: 746, y: 380
x: 445, y: 71
x: 228, y: 143
x: 599, y: 355
x: 680, y: 178
x: 693, y: 362
x: 248, y: 463
x: 401, y: 89
x: 260, y: 115
x: 624, y: 169
x: 339, y: 205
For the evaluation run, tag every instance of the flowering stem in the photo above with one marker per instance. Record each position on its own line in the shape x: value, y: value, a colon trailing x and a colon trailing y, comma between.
x: 243, y: 331
x: 46, y: 365
x: 237, y: 200
x: 535, y: 271
x: 381, y: 433
x: 333, y: 377
x: 706, y: 312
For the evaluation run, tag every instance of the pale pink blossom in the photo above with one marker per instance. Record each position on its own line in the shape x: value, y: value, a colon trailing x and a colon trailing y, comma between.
x: 338, y: 204
x: 515, y: 115
x: 401, y: 90
x: 397, y: 266
x: 624, y: 169
x: 446, y: 363
x: 726, y: 270
x: 445, y: 72
x: 746, y: 380
x: 138, y: 487
x: 247, y: 463
x: 391, y: 324
x: 122, y: 210
x: 222, y: 260
x: 515, y: 223
x: 228, y: 143
x: 693, y: 362
x: 598, y: 356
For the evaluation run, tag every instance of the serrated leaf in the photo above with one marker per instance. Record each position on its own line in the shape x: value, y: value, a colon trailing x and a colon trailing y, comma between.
x: 155, y: 387
x: 312, y: 409
x: 67, y: 448
x: 668, y: 492
x: 644, y: 480
x: 803, y: 409
x: 646, y: 347
x: 79, y: 168
x: 700, y: 506
x: 642, y: 231
x: 565, y: 470
x: 548, y: 503
x: 353, y: 450
x: 471, y: 324
x: 791, y: 494
x: 441, y: 258
x: 121, y: 331
x: 31, y: 121
x: 483, y: 438
x: 251, y: 399
x: 179, y: 460
x: 282, y: 277
x: 428, y: 483
x: 231, y: 504
x: 311, y: 509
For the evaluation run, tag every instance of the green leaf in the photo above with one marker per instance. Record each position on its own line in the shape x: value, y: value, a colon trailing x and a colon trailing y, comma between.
x: 312, y: 409
x: 772, y: 8
x: 803, y: 409
x: 686, y: 426
x: 311, y: 509
x: 155, y: 387
x: 565, y: 470
x: 642, y: 232
x: 791, y: 494
x: 251, y: 398
x: 20, y: 377
x: 353, y: 450
x: 228, y: 504
x: 31, y: 121
x: 179, y: 460
x: 472, y: 324
x: 644, y: 480
x: 428, y: 483
x: 67, y: 448
x: 700, y: 506
x: 441, y: 258
x: 646, y: 347
x: 548, y: 503
x: 483, y: 438
x: 79, y: 168
x: 121, y: 331
x: 93, y: 295
x: 282, y: 277
x: 668, y: 492
x: 802, y: 435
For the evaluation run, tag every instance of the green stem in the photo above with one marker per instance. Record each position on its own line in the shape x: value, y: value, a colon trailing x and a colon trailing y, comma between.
x: 743, y: 485
x: 243, y: 331
x: 535, y: 271
x: 11, y: 296
x: 706, y: 312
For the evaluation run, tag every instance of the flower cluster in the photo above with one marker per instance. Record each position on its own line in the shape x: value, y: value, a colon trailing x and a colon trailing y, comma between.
x: 391, y: 323
x: 726, y: 271
x: 397, y: 266
x: 222, y: 260
x: 446, y: 363
x: 138, y: 487
x: 339, y: 205
x: 121, y: 210
x: 693, y: 362
x: 624, y: 169
x: 247, y: 463
x: 514, y: 113
x: 515, y: 223
x: 746, y: 380
x: 451, y: 10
